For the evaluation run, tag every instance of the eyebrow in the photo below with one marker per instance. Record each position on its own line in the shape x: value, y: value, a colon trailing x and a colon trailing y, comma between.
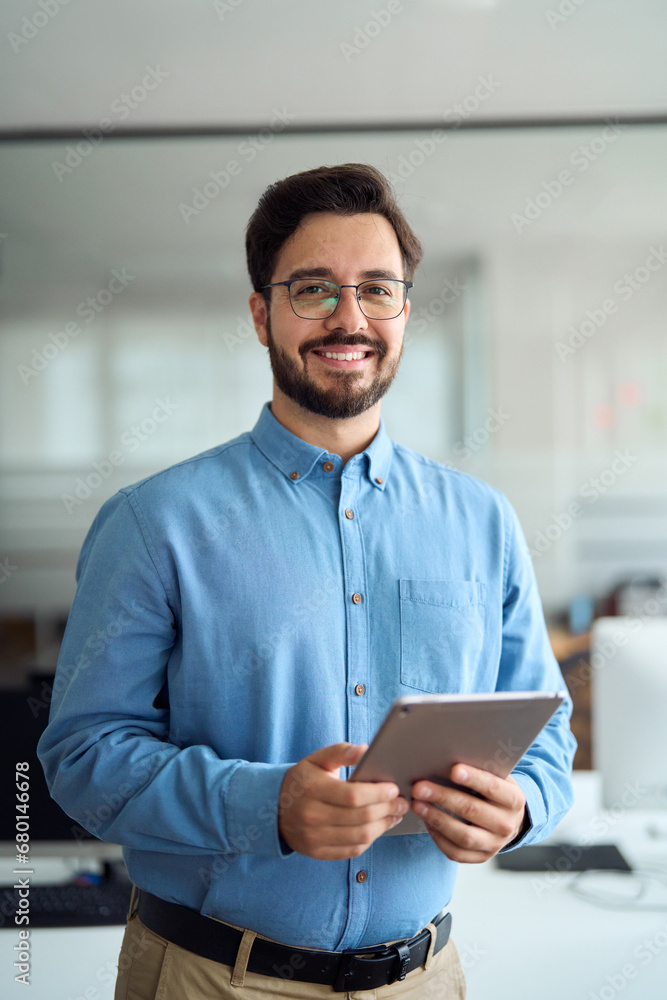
x: 326, y: 272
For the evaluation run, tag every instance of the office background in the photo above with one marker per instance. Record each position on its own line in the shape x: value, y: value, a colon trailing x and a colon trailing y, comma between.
x: 535, y: 353
x: 527, y: 142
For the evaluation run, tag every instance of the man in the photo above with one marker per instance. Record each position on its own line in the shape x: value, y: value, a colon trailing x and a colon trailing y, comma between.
x: 243, y: 622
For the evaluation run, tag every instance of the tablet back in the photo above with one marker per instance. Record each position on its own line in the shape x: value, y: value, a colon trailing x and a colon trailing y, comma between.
x: 423, y: 737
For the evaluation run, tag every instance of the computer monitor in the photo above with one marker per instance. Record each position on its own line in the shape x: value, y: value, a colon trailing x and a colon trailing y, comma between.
x: 629, y: 710
x: 23, y: 717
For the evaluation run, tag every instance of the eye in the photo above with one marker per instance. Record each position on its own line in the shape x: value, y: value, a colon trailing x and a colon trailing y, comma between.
x: 313, y: 288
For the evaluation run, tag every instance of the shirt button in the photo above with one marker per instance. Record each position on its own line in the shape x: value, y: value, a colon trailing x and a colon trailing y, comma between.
x: 356, y: 598
x: 349, y: 514
x: 328, y: 466
x: 294, y: 475
x: 360, y: 689
x: 379, y: 479
x: 362, y: 876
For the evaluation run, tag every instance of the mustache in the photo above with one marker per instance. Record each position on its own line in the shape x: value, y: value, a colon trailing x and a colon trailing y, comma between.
x: 344, y: 340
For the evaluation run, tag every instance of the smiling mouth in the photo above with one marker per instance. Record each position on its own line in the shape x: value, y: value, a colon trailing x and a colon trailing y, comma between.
x: 350, y: 357
x: 343, y: 355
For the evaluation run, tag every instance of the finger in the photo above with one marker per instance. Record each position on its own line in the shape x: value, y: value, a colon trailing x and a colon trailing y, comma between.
x: 333, y: 815
x: 353, y: 840
x: 495, y: 789
x: 354, y: 794
x: 337, y: 755
x: 344, y: 852
x: 454, y: 852
x: 495, y: 819
x: 460, y: 836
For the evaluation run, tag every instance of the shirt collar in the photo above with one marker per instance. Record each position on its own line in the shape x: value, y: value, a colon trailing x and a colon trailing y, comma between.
x: 296, y: 458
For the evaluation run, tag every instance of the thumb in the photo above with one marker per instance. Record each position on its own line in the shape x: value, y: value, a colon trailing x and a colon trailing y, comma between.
x: 338, y: 755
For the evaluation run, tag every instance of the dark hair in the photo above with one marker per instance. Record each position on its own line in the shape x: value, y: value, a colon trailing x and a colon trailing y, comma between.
x: 347, y: 189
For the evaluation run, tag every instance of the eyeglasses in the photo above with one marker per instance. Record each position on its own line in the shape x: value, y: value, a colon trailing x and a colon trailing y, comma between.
x: 313, y: 298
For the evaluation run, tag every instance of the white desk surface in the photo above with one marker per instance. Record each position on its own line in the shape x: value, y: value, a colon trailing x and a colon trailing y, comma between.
x: 523, y: 936
x: 519, y: 937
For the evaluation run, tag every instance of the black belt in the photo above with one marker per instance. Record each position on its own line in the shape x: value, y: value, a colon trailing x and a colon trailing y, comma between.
x: 352, y: 969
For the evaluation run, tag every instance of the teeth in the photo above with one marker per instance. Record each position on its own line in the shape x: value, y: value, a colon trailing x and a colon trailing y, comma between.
x: 346, y: 357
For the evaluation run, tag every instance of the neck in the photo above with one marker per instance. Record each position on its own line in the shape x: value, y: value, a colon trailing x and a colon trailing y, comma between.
x: 340, y: 437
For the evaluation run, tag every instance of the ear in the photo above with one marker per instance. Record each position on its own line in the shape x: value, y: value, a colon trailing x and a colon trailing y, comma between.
x: 258, y: 309
x: 406, y: 309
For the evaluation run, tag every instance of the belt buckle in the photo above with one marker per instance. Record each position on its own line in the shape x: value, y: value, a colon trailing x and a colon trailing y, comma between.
x: 400, y: 950
x: 403, y: 955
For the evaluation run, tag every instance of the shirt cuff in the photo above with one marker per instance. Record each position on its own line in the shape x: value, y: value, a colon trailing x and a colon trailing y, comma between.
x: 251, y: 810
x: 535, y: 813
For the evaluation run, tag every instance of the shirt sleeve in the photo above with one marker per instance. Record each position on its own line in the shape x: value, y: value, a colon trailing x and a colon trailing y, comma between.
x: 106, y: 752
x: 527, y: 663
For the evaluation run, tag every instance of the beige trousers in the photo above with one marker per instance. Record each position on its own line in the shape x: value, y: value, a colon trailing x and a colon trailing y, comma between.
x: 152, y: 968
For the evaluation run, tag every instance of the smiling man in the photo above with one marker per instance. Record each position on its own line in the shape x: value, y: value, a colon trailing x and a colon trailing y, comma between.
x: 338, y: 349
x: 266, y: 602
x: 365, y: 338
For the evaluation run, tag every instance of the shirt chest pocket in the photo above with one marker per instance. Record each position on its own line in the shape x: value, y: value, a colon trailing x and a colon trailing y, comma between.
x: 442, y: 634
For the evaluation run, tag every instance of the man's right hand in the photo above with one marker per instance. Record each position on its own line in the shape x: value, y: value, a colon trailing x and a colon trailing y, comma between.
x: 331, y: 820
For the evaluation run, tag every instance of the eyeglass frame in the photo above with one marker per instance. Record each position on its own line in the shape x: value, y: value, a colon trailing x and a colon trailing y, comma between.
x: 408, y: 285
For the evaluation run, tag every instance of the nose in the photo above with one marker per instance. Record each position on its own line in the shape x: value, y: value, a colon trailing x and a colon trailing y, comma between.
x: 347, y: 316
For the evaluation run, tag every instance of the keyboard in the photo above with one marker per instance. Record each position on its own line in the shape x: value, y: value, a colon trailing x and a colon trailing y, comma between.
x: 70, y: 905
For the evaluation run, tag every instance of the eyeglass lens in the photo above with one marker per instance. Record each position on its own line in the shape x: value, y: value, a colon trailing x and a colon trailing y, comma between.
x: 317, y: 299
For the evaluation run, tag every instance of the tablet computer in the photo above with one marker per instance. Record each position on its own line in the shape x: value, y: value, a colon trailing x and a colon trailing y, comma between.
x: 423, y: 736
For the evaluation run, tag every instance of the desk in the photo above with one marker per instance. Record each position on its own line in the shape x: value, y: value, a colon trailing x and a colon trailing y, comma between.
x: 517, y: 944
x: 526, y: 937
x: 67, y: 964
x: 518, y: 940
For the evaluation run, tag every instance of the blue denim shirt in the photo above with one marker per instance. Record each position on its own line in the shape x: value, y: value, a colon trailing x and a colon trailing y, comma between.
x: 214, y: 641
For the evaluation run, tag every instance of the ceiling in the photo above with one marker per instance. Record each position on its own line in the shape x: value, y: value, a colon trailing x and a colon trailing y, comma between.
x: 258, y: 64
x: 233, y: 62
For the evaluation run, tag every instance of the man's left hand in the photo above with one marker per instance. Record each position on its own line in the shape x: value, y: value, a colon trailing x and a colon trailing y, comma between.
x: 492, y: 822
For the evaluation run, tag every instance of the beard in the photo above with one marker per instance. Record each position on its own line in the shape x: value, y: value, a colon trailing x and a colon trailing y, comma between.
x: 345, y: 398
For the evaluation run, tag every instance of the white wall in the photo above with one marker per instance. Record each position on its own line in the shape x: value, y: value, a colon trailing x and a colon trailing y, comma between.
x: 234, y: 66
x: 178, y: 331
